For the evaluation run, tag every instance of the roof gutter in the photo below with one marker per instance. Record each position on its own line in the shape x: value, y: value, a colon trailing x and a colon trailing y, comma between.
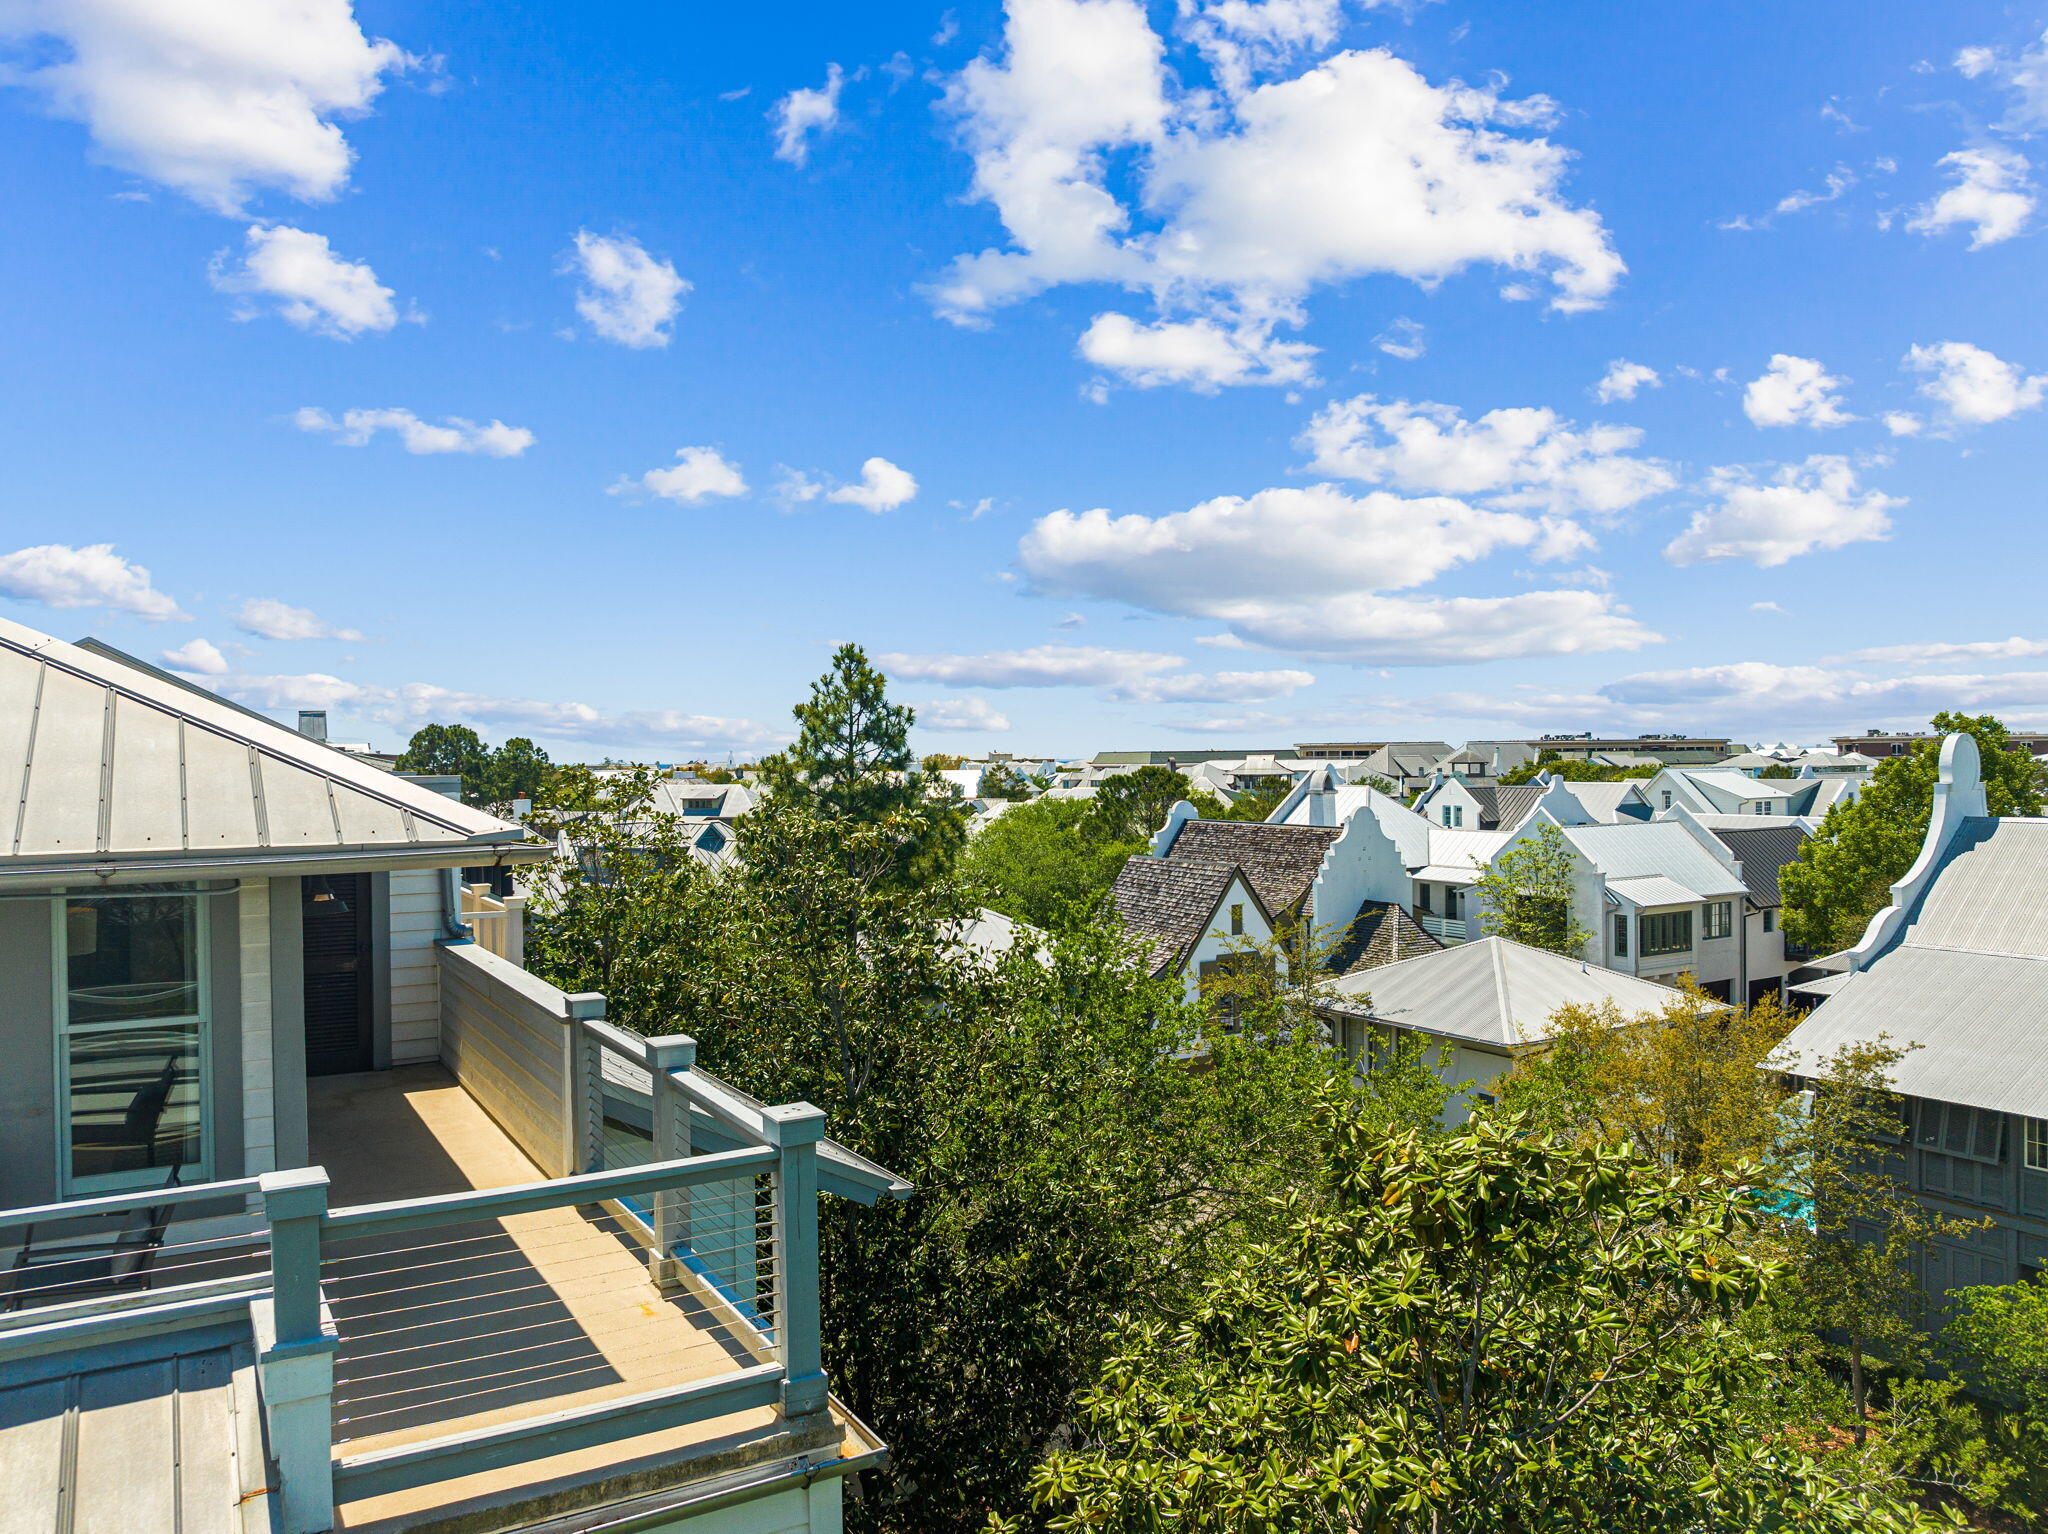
x: 276, y: 860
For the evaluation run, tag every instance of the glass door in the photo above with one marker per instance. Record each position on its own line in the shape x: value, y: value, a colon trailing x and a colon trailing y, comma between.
x: 131, y: 1041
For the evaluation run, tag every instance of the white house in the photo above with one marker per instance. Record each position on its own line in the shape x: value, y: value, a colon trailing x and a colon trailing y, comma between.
x: 317, y: 1210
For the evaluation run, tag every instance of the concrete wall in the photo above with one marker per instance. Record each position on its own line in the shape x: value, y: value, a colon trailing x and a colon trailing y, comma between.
x: 504, y: 1036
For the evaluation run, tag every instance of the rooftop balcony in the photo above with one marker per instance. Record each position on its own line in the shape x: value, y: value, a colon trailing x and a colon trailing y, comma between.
x: 560, y: 1269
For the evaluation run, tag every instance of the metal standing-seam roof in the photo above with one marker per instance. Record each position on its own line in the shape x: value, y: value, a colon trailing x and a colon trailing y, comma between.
x: 1654, y: 890
x: 1966, y: 980
x: 1762, y: 851
x: 106, y: 767
x: 1491, y: 991
x: 1637, y: 849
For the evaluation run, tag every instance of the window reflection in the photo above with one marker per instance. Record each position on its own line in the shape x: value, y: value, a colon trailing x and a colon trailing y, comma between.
x: 132, y: 958
x: 135, y: 1100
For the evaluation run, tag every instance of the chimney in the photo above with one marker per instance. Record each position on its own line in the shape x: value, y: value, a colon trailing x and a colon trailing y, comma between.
x: 313, y: 723
x: 1322, y: 800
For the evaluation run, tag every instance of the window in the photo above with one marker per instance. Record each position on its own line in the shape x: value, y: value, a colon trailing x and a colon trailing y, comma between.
x: 1667, y: 798
x: 1454, y: 903
x: 1237, y: 921
x: 1718, y: 919
x: 2037, y: 1145
x: 1621, y: 937
x: 131, y: 1020
x: 1761, y: 807
x: 1954, y: 1130
x: 1666, y: 932
x: 1770, y: 920
x: 1422, y: 896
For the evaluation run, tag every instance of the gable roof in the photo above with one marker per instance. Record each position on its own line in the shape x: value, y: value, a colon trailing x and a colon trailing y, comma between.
x: 108, y: 768
x: 1503, y: 808
x: 1381, y: 933
x: 1762, y: 851
x: 1280, y: 862
x: 1635, y: 849
x: 1603, y: 801
x: 1165, y: 903
x: 1490, y: 991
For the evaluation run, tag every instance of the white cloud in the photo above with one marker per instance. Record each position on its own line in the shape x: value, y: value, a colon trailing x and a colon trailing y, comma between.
x: 1521, y: 457
x: 698, y: 474
x: 1229, y: 209
x: 306, y: 282
x: 1795, y: 391
x: 882, y: 487
x: 1936, y: 654
x: 803, y: 113
x: 213, y: 100
x: 453, y: 435
x: 1971, y: 387
x: 1198, y: 352
x: 1624, y: 380
x: 412, y: 704
x: 1768, y: 607
x: 1128, y: 676
x: 1902, y: 423
x: 1839, y: 180
x: 960, y: 714
x: 1403, y: 339
x: 1992, y: 195
x: 628, y: 296
x: 2024, y: 74
x: 1303, y: 569
x: 1800, y: 508
x: 199, y: 656
x: 57, y: 575
x: 1243, y: 38
x: 268, y: 618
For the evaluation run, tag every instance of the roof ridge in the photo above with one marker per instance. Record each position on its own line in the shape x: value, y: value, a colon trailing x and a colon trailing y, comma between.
x: 1500, y: 982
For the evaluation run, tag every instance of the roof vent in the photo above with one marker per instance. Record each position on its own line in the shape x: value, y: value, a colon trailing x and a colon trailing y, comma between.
x: 313, y: 723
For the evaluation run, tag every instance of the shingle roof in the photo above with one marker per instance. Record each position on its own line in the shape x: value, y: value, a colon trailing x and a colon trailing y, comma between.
x: 1762, y: 851
x: 1381, y: 933
x: 1491, y: 991
x: 1163, y: 902
x: 105, y: 765
x: 1279, y: 861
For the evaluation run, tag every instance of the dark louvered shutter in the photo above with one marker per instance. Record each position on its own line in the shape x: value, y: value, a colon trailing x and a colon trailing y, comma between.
x: 336, y: 915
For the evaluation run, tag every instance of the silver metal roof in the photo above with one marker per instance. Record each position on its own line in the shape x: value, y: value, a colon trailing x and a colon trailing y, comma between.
x: 1654, y: 890
x: 1966, y: 980
x: 1493, y: 991
x: 1636, y: 849
x: 104, y: 766
x: 163, y: 1444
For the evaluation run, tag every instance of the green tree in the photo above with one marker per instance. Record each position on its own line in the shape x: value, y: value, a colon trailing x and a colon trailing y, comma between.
x: 1066, y: 1164
x: 1130, y: 806
x: 852, y: 761
x: 943, y: 761
x: 1042, y: 863
x: 1779, y: 770
x: 1002, y: 781
x: 446, y: 750
x: 1258, y: 803
x: 1478, y: 1330
x: 1845, y: 870
x: 517, y: 770
x: 1526, y: 893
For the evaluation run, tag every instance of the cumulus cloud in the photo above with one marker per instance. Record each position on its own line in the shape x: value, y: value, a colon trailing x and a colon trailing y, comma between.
x: 1521, y: 457
x: 1992, y: 195
x: 268, y: 618
x: 1795, y: 391
x: 199, y: 656
x: 452, y: 435
x: 412, y: 704
x: 1228, y: 209
x: 882, y: 487
x: 1624, y: 380
x: 214, y: 101
x: 297, y: 275
x: 2024, y: 74
x: 960, y: 714
x: 1200, y: 353
x: 57, y: 575
x: 1128, y: 676
x: 699, y: 474
x: 1968, y: 386
x: 1306, y: 569
x: 1797, y: 509
x: 627, y: 295
x: 806, y: 113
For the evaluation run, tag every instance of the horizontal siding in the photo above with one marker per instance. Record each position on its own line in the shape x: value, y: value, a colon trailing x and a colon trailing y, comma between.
x: 415, y: 900
x: 507, y: 1051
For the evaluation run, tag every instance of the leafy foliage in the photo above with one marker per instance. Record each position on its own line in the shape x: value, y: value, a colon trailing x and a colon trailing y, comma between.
x: 1043, y: 862
x: 1572, y: 771
x: 1526, y: 893
x: 1844, y: 873
x: 1130, y: 806
x: 1475, y: 1331
x: 516, y: 770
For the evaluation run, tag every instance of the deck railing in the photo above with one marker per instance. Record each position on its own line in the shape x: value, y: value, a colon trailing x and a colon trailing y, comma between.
x: 497, y: 922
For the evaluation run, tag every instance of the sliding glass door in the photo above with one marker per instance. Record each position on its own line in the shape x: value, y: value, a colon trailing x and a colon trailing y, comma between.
x: 132, y: 999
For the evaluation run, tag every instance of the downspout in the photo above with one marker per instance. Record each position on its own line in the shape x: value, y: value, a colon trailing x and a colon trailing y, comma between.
x: 454, y: 930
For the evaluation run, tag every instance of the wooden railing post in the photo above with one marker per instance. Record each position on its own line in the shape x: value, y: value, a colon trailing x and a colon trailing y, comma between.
x: 795, y: 1129
x: 669, y: 1111
x: 582, y: 1085
x: 296, y: 1350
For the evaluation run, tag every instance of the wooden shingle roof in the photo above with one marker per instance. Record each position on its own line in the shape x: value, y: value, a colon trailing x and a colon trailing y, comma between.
x: 1280, y: 862
x: 1164, y: 902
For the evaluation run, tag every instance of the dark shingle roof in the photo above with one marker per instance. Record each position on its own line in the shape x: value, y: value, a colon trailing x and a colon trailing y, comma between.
x: 1762, y: 851
x: 1504, y: 808
x: 1382, y: 933
x: 1279, y: 861
x: 1164, y: 902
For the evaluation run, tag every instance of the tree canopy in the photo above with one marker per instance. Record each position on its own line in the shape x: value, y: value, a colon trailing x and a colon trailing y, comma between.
x: 1845, y: 870
x: 1043, y: 862
x: 1526, y: 893
x: 516, y: 770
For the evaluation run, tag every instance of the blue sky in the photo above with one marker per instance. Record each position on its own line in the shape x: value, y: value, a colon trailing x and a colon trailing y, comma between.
x: 1237, y: 373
